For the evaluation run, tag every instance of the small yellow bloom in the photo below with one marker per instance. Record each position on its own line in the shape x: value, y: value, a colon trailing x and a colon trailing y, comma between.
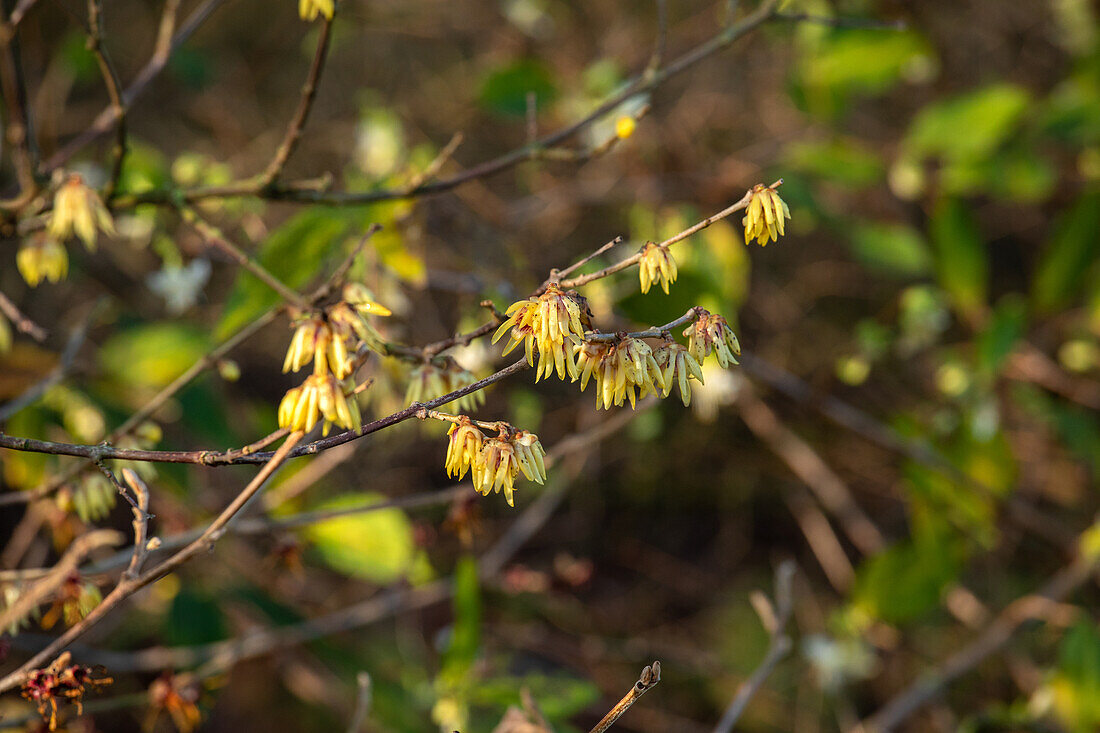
x: 42, y: 259
x: 310, y: 9
x: 360, y: 297
x: 712, y: 334
x: 553, y: 322
x: 530, y: 456
x: 463, y: 448
x: 657, y: 265
x: 625, y: 126
x: 765, y: 215
x: 78, y: 211
x: 678, y: 367
x: 320, y: 398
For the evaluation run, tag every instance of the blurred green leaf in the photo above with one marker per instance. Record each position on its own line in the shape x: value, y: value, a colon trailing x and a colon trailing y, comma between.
x: 465, y: 640
x: 1074, y: 246
x: 893, y: 247
x: 960, y: 258
x: 294, y: 253
x: 839, y: 160
x: 558, y: 697
x: 1076, y: 681
x: 194, y: 618
x: 905, y: 581
x: 1072, y: 112
x: 153, y: 354
x: 967, y: 127
x: 861, y: 60
x: 77, y: 58
x: 376, y: 546
x: 143, y: 169
x: 505, y: 90
x: 1001, y: 334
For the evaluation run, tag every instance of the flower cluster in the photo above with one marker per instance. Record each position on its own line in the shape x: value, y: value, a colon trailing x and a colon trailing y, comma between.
x: 656, y: 266
x: 433, y: 380
x: 320, y: 397
x: 494, y: 463
x: 553, y: 323
x: 78, y: 211
x: 60, y: 681
x: 623, y: 371
x: 310, y: 9
x: 329, y: 340
x: 678, y: 367
x: 42, y: 258
x: 712, y: 334
x: 765, y: 215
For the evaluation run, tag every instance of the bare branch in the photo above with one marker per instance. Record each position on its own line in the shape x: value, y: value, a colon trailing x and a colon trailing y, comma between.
x: 22, y: 323
x: 362, y: 702
x: 650, y: 676
x: 114, y: 92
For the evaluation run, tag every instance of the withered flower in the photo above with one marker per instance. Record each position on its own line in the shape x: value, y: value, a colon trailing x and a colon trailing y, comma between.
x: 441, y: 377
x: 711, y: 333
x: 60, y: 681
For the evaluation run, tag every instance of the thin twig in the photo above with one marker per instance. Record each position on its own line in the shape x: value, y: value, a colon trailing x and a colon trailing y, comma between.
x: 56, y: 375
x: 128, y: 586
x: 651, y: 333
x: 141, y: 523
x: 22, y: 323
x: 17, y: 125
x: 58, y: 574
x: 362, y: 702
x: 647, y: 680
x: 114, y: 92
x: 779, y: 646
x: 301, y: 115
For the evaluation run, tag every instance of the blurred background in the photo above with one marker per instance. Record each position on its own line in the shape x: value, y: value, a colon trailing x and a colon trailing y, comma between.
x: 914, y: 424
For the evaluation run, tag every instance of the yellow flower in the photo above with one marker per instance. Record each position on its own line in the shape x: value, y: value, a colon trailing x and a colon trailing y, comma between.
x: 552, y: 322
x: 360, y: 297
x: 316, y: 339
x: 625, y: 126
x: 712, y: 334
x: 309, y: 334
x: 765, y: 215
x: 623, y: 371
x: 347, y: 320
x: 320, y: 398
x: 463, y: 448
x: 530, y: 456
x: 429, y: 382
x: 678, y: 366
x: 590, y: 357
x: 657, y: 265
x: 42, y: 259
x: 310, y: 9
x: 78, y: 211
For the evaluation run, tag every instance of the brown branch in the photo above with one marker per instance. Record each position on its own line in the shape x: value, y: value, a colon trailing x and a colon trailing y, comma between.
x: 58, y: 574
x: 651, y: 333
x: 17, y: 127
x: 127, y: 586
x: 168, y: 40
x: 114, y: 92
x: 992, y: 640
x: 308, y: 192
x: 22, y: 323
x: 647, y: 680
x: 142, y: 545
x: 215, y: 237
x: 779, y: 646
x: 305, y: 104
x: 362, y: 702
x: 20, y: 11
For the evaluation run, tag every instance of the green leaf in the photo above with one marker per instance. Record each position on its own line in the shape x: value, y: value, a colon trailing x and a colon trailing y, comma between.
x: 1074, y: 246
x: 1076, y: 683
x: 1000, y: 335
x: 376, y: 546
x: 462, y: 647
x: 893, y: 247
x: 143, y: 169
x: 505, y: 90
x: 905, y: 581
x: 294, y: 253
x: 194, y: 619
x: 153, y: 354
x: 967, y: 127
x: 960, y: 258
x: 842, y: 161
x: 861, y: 60
x: 558, y: 697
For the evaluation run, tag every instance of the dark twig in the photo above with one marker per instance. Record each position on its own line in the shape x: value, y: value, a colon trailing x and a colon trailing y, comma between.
x: 114, y: 92
x: 22, y: 323
x: 305, y: 104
